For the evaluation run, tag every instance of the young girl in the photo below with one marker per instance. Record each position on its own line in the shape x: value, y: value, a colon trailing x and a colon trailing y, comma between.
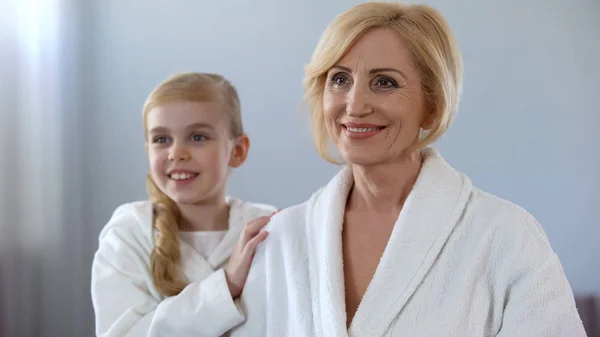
x: 173, y: 265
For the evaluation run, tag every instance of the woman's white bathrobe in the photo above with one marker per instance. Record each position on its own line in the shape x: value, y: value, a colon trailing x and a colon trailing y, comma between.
x: 126, y: 303
x: 459, y: 262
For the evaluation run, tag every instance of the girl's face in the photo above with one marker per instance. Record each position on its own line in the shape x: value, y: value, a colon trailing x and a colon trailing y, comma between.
x: 190, y: 150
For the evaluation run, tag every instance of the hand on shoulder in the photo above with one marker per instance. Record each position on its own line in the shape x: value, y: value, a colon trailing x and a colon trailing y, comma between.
x: 239, y: 263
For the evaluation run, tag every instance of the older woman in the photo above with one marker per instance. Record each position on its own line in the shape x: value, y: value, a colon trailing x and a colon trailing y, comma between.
x: 399, y: 243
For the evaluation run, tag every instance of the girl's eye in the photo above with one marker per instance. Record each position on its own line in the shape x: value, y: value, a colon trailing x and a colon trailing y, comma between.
x: 198, y: 138
x: 160, y: 139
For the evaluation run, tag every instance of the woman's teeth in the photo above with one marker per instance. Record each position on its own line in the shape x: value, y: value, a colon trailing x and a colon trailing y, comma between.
x: 363, y: 129
x: 182, y: 176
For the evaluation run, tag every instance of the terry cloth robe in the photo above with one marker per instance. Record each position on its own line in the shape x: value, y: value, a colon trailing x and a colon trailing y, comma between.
x: 125, y: 301
x: 459, y: 262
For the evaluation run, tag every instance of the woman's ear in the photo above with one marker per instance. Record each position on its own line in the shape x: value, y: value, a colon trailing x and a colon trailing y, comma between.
x: 240, y: 151
x: 429, y: 120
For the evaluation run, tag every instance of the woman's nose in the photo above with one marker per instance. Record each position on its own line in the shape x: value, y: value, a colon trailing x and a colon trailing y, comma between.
x: 358, y: 103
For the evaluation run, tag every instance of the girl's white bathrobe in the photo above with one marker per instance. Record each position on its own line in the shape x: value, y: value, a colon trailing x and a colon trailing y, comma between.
x: 459, y: 262
x: 125, y: 301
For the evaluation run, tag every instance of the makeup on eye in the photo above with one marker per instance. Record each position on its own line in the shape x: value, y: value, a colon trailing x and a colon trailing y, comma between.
x: 389, y: 82
x: 337, y: 77
x: 380, y: 81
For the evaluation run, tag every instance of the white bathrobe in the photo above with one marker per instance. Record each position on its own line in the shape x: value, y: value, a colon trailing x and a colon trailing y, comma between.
x: 459, y: 262
x: 126, y: 303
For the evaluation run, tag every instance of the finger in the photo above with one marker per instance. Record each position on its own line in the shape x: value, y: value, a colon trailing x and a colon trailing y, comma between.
x: 252, y: 244
x: 253, y: 227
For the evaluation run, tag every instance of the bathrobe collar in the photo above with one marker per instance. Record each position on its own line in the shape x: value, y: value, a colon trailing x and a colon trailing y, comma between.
x: 429, y: 215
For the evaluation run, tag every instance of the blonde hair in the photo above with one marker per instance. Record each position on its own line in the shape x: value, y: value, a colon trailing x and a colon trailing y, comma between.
x: 434, y: 51
x: 165, y: 259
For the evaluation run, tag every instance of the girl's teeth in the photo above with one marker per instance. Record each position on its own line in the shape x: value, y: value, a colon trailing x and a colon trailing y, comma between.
x: 181, y: 176
x: 362, y: 129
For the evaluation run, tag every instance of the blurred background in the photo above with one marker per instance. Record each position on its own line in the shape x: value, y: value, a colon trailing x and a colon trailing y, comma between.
x: 74, y: 75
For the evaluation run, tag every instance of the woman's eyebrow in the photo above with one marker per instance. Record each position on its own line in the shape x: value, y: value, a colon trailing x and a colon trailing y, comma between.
x: 372, y: 71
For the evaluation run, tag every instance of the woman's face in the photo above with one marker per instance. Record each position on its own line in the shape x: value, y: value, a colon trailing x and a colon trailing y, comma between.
x: 373, y: 103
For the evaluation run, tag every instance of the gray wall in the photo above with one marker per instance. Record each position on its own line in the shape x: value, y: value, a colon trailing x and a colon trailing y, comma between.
x: 525, y: 129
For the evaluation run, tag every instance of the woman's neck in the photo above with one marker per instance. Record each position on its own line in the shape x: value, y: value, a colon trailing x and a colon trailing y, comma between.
x: 211, y: 215
x: 384, y: 187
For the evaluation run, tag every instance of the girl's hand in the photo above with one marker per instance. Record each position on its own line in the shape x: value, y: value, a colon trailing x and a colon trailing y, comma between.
x: 238, y: 266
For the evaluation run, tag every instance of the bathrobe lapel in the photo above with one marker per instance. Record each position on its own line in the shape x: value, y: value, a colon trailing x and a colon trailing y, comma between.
x: 237, y: 219
x: 196, y: 267
x: 429, y: 215
x: 325, y: 218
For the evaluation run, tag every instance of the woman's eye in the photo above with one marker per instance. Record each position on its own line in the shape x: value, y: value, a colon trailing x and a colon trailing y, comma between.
x: 386, y: 83
x: 340, y: 79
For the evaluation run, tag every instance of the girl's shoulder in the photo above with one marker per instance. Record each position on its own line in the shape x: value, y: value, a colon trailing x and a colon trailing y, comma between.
x: 130, y: 222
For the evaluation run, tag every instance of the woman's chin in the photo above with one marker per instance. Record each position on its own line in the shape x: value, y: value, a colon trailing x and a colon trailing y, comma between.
x: 363, y: 157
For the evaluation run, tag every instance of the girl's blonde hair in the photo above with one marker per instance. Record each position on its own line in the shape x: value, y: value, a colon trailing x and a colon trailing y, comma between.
x: 434, y: 51
x: 196, y: 87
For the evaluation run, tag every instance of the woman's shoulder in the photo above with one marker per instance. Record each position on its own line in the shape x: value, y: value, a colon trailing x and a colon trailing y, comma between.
x: 250, y: 208
x: 244, y: 211
x: 497, y: 211
x: 292, y: 220
x: 288, y: 228
x: 131, y: 223
x: 515, y: 231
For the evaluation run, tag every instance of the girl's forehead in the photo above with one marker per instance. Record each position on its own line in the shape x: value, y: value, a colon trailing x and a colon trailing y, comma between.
x: 176, y: 115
